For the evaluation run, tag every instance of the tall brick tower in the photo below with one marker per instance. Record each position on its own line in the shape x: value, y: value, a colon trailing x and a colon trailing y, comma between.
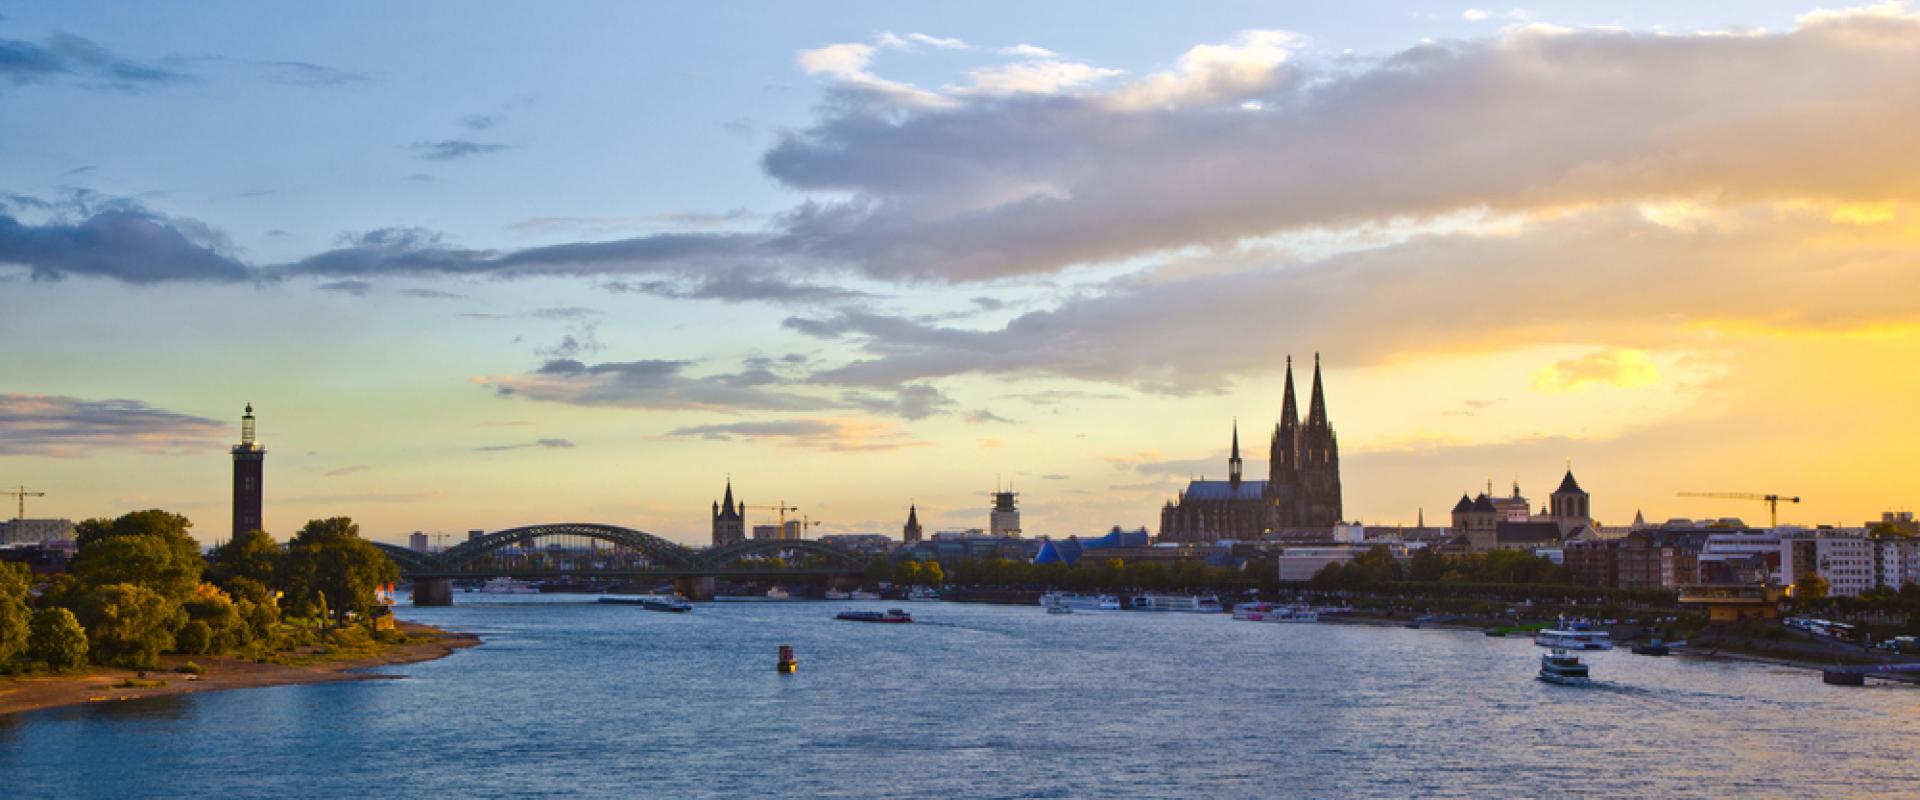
x: 249, y: 466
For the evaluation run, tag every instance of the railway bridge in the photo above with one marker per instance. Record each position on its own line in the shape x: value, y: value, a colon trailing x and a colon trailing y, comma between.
x: 593, y: 550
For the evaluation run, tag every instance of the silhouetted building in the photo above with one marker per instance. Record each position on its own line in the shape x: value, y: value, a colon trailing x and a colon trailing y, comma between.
x: 729, y: 520
x: 418, y: 541
x: 249, y: 466
x: 35, y: 531
x: 1302, y: 489
x: 1005, y: 520
x: 912, y: 532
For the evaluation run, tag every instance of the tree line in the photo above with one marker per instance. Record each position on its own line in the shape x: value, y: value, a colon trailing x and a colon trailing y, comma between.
x: 138, y: 587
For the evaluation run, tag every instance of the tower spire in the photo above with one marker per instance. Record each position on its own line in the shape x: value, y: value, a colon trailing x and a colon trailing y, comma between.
x: 1317, y: 406
x: 1233, y: 461
x: 1289, y: 410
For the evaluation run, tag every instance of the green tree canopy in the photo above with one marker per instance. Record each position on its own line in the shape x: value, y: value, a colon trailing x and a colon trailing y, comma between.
x: 144, y: 548
x: 128, y: 625
x: 1810, y: 587
x: 253, y: 555
x: 57, y: 639
x: 328, y: 564
x: 14, y: 614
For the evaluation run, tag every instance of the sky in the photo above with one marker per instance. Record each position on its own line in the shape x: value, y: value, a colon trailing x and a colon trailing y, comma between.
x: 479, y: 264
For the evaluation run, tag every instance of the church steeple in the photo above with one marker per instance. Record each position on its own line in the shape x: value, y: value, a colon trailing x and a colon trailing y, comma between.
x: 1283, y: 455
x: 1289, y: 410
x: 1233, y: 461
x: 912, y: 532
x: 1317, y: 407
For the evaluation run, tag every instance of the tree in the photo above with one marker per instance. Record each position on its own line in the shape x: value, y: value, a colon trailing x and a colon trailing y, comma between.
x: 219, y: 618
x: 879, y: 569
x: 14, y: 613
x: 1810, y: 587
x: 58, y: 640
x: 144, y: 548
x: 932, y: 575
x: 328, y: 564
x: 1428, y: 565
x: 907, y: 572
x: 252, y: 555
x: 128, y: 625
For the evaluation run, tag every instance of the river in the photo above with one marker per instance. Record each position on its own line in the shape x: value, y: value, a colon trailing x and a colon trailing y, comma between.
x: 570, y: 698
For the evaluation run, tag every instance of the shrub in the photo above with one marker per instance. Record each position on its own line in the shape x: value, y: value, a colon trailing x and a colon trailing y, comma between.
x: 190, y: 668
x: 58, y: 640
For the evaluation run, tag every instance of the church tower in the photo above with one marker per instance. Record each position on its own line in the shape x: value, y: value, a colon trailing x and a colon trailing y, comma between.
x: 1283, y: 459
x: 911, y: 532
x: 729, y: 519
x: 249, y: 467
x: 1319, y: 460
x: 1233, y: 461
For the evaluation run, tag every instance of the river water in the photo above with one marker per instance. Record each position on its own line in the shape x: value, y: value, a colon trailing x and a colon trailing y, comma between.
x: 569, y: 698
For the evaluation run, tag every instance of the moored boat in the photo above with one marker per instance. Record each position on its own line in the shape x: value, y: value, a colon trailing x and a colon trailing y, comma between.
x: 1563, y: 668
x: 777, y: 593
x: 508, y: 586
x: 1081, y: 602
x: 922, y: 594
x: 1574, y: 636
x: 1191, y: 604
x: 1269, y: 612
x: 652, y: 602
x: 890, y: 615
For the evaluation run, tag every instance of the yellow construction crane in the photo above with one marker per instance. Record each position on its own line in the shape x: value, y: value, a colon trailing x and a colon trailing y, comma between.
x: 780, y: 509
x: 23, y: 494
x: 1773, y: 501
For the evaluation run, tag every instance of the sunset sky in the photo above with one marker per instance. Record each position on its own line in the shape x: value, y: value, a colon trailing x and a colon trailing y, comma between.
x: 486, y: 264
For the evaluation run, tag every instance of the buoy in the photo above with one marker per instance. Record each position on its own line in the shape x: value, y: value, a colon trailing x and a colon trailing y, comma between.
x: 787, y: 664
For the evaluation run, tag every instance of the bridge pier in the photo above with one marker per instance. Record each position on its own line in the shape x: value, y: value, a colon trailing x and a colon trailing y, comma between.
x: 433, y: 592
x: 846, y: 583
x: 694, y: 588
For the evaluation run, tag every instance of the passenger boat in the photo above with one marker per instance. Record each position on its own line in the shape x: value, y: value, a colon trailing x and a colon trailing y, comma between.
x: 1081, y: 602
x: 835, y: 594
x: 1574, y: 636
x: 1655, y: 647
x: 1563, y: 668
x: 891, y: 615
x: 777, y: 593
x: 652, y: 602
x: 1059, y: 609
x: 860, y: 594
x: 508, y: 586
x: 922, y: 594
x: 1268, y: 612
x: 1192, y: 604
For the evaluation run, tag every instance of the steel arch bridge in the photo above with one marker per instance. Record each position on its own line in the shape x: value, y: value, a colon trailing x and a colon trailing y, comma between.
x: 663, y: 557
x: 718, y: 557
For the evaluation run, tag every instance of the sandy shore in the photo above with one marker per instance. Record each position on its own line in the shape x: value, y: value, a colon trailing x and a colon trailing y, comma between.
x: 97, y: 684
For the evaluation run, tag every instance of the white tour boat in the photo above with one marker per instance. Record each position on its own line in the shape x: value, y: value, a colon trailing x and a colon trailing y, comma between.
x: 508, y: 586
x: 923, y: 594
x: 1191, y: 604
x: 1577, y: 636
x: 777, y: 593
x: 1081, y: 602
x: 1563, y: 668
x: 1268, y: 612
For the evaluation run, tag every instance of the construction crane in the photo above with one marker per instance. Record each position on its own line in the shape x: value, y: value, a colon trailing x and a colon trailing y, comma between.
x: 23, y: 494
x: 1773, y: 501
x: 780, y: 509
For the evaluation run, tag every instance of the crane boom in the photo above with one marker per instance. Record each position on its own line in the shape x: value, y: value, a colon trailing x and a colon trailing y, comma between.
x: 1773, y: 501
x: 23, y: 494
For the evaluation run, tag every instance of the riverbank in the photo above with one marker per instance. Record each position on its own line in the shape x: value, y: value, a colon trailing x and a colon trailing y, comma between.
x: 105, y: 684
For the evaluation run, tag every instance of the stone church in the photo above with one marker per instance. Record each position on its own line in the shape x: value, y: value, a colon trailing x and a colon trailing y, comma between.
x: 1302, y: 489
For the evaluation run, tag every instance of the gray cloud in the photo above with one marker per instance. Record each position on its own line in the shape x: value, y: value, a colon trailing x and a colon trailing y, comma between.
x: 1584, y: 278
x: 450, y: 149
x: 64, y: 55
x: 654, y: 384
x: 122, y: 241
x: 355, y: 288
x: 303, y: 73
x: 547, y: 444
x: 917, y: 401
x: 340, y: 472
x: 56, y: 425
x: 823, y: 434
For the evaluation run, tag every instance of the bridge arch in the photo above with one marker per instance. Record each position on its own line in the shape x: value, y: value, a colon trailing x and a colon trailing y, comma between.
x: 407, y: 559
x: 835, y: 556
x: 660, y: 551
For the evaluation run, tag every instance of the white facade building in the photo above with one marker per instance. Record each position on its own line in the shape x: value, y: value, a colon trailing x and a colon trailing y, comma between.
x: 35, y: 531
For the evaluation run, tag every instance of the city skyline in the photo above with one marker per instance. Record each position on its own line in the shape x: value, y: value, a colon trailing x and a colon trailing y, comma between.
x: 885, y: 260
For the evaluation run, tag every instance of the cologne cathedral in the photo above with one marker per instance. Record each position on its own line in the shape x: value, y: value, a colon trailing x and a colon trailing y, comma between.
x: 1302, y: 489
